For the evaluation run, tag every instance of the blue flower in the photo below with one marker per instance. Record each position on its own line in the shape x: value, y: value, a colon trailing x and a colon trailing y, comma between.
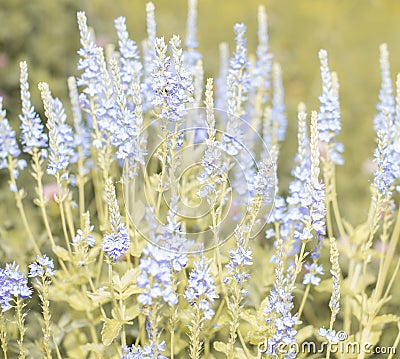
x: 329, y: 124
x: 278, y: 117
x: 386, y: 107
x: 240, y: 258
x: 155, y: 277
x: 201, y: 288
x: 135, y: 352
x: 8, y: 142
x: 238, y: 84
x: 61, y: 144
x: 383, y: 175
x: 115, y: 243
x: 130, y: 65
x: 313, y: 271
x: 32, y: 135
x: 12, y: 284
x: 44, y: 266
x: 191, y: 42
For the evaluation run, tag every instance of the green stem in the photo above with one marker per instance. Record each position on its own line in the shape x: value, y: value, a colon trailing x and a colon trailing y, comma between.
x: 3, y: 335
x: 195, y: 343
x: 60, y: 201
x: 21, y: 328
x: 303, y: 301
x: 20, y: 206
x: 44, y: 296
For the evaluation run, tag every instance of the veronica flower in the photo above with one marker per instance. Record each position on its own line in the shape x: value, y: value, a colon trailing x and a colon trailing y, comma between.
x: 383, y: 175
x: 278, y: 308
x: 314, y: 270
x: 9, y: 149
x: 396, y: 136
x: 263, y: 67
x: 88, y: 58
x: 238, y: 84
x: 149, y: 52
x: 32, y: 135
x: 13, y: 283
x: 278, y: 117
x: 221, y: 100
x: 129, y: 60
x: 43, y: 267
x: 201, y: 289
x: 135, y: 352
x: 82, y: 136
x: 329, y: 334
x: 84, y: 235
x: 240, y: 258
x: 329, y: 124
x: 192, y: 55
x: 298, y: 198
x: 61, y: 139
x: 115, y: 243
x: 386, y: 107
x: 155, y: 277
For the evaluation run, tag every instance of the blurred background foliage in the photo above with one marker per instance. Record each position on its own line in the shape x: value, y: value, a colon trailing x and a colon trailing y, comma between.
x: 44, y: 33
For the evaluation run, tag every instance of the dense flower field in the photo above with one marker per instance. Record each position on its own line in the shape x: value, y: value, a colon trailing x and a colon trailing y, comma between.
x: 164, y: 230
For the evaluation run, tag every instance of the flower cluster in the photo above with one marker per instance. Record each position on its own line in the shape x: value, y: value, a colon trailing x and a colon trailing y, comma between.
x: 278, y: 308
x: 13, y: 283
x: 8, y: 144
x: 201, y: 289
x: 329, y: 124
x: 43, y: 267
x: 32, y: 134
x: 155, y: 277
x: 135, y: 352
x: 115, y: 243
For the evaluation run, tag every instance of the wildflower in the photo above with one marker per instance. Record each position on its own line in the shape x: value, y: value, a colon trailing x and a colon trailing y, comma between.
x: 192, y: 56
x: 129, y: 60
x: 155, y: 277
x: 135, y: 352
x: 8, y: 143
x: 12, y: 284
x: 334, y: 303
x: 278, y: 308
x: 313, y: 271
x: 386, y: 107
x: 32, y: 135
x: 115, y: 243
x: 82, y: 138
x: 88, y: 59
x: 329, y: 334
x: 329, y: 124
x: 383, y: 175
x: 43, y: 267
x: 238, y: 83
x: 84, y: 235
x: 278, y: 118
x: 221, y: 81
x: 149, y: 54
x: 263, y: 66
x: 61, y: 139
x: 240, y: 259
x: 201, y: 289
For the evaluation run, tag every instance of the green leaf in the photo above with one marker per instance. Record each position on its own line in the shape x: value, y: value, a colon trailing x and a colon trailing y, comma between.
x: 129, y: 278
x: 385, y: 319
x: 61, y: 253
x: 93, y: 347
x: 220, y: 347
x: 132, y: 312
x: 110, y: 331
